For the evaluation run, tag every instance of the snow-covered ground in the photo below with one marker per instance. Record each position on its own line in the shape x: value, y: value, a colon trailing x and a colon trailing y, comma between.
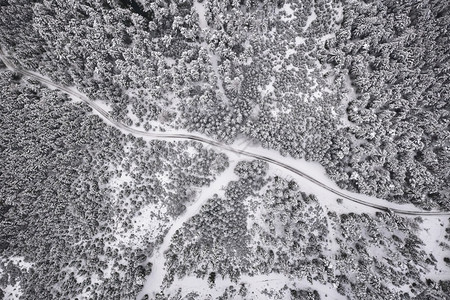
x: 432, y: 233
x: 268, y: 89
x: 288, y: 11
x: 200, y: 9
x: 12, y: 292
x: 299, y: 40
x: 257, y: 287
x: 20, y: 262
x: 310, y: 19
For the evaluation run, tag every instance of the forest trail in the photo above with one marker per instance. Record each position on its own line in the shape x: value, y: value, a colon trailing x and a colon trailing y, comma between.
x: 154, y: 281
x: 381, y: 204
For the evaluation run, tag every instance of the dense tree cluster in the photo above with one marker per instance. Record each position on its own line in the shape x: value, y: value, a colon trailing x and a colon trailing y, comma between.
x: 288, y: 233
x: 54, y: 201
x: 384, y: 253
x: 366, y: 257
x: 305, y: 294
x: 393, y: 57
x: 293, y: 233
x: 157, y: 60
x: 76, y: 192
x: 218, y: 232
x: 107, y: 50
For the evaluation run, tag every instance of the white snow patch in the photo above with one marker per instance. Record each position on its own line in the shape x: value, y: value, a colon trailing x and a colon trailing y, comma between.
x: 269, y: 88
x: 300, y: 40
x: 310, y: 19
x: 13, y: 292
x: 288, y: 11
x: 432, y: 233
x: 327, y: 37
x: 20, y: 262
x: 200, y: 8
x: 340, y: 12
x: 289, y: 52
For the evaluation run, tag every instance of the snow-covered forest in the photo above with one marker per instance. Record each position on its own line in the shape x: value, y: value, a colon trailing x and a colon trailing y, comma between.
x: 89, y: 210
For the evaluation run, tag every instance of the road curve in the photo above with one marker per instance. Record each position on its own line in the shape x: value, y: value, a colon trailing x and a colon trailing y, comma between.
x: 214, y: 143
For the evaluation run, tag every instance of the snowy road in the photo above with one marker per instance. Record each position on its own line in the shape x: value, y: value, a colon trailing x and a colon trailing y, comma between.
x: 197, y: 137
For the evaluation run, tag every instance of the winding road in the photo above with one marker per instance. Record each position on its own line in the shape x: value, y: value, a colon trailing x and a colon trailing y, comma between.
x: 211, y: 142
